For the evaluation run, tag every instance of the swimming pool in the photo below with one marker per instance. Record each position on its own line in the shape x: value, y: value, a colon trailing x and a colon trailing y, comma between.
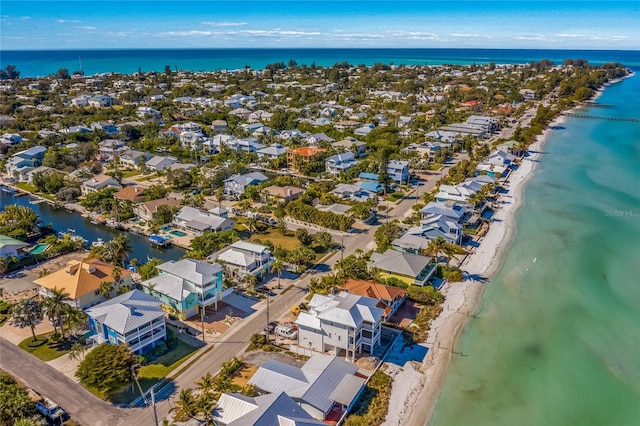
x: 39, y: 248
x: 178, y: 233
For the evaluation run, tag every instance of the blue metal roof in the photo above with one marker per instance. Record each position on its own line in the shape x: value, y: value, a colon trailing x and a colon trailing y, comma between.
x: 371, y: 186
x: 370, y: 176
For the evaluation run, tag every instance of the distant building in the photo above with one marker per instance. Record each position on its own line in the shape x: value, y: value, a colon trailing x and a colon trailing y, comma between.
x: 11, y: 247
x: 276, y: 409
x: 199, y: 221
x: 99, y: 182
x: 407, y: 267
x: 299, y: 156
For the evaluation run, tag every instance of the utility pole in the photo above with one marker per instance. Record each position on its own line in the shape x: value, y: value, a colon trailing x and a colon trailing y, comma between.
x: 202, y: 308
x: 268, y: 291
x: 153, y: 404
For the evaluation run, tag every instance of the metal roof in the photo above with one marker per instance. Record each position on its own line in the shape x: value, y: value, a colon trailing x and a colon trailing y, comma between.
x: 195, y: 271
x: 406, y: 264
x: 313, y: 383
x: 277, y: 409
x: 168, y: 285
x: 347, y: 389
x: 127, y: 312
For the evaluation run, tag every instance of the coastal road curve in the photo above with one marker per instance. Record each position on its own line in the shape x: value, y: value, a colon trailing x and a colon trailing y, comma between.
x: 83, y: 406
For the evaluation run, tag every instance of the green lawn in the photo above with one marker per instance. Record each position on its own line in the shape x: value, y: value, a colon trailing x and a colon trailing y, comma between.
x: 43, y: 348
x: 131, y: 173
x: 394, y: 197
x: 26, y: 187
x: 435, y: 167
x: 290, y: 242
x: 155, y: 371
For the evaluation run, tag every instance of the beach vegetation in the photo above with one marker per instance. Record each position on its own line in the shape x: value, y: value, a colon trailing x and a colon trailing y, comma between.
x: 427, y: 294
x: 373, y: 404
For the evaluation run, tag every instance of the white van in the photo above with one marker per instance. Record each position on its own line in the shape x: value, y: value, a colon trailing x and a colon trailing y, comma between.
x: 286, y: 332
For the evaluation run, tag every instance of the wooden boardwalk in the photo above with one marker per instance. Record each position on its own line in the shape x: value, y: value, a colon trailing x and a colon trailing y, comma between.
x: 600, y: 117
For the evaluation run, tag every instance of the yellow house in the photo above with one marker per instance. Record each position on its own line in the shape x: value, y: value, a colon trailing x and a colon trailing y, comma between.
x: 82, y: 281
x: 407, y: 267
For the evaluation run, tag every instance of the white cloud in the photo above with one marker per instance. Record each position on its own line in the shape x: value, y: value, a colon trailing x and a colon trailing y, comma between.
x: 467, y: 35
x: 88, y: 28
x: 224, y: 24
x: 184, y: 33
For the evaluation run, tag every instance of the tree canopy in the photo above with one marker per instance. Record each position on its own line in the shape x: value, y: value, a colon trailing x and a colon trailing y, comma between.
x: 106, y: 368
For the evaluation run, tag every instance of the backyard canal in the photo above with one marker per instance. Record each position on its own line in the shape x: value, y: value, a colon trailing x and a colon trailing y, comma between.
x: 64, y: 221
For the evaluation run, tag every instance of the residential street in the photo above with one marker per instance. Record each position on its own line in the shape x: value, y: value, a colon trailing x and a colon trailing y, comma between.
x: 80, y: 403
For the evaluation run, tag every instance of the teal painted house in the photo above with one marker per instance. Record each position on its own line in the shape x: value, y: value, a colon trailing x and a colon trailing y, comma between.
x: 187, y: 286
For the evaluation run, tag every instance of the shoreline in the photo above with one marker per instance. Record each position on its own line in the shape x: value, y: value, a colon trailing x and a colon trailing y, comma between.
x: 462, y: 299
x: 414, y: 397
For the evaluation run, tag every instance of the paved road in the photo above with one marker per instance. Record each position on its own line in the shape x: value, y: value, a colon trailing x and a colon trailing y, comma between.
x: 80, y: 403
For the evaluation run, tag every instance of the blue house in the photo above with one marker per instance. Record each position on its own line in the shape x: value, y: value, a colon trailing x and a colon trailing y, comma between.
x: 25, y: 161
x: 134, y: 318
x: 186, y: 286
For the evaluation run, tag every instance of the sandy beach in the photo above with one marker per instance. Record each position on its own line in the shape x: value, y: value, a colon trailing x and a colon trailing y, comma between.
x: 416, y: 388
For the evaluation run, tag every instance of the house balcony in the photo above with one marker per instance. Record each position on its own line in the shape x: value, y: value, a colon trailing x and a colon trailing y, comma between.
x: 210, y: 299
x: 424, y: 275
x: 147, y: 341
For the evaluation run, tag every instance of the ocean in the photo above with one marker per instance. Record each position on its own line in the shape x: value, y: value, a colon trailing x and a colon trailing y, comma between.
x: 32, y: 63
x: 557, y: 336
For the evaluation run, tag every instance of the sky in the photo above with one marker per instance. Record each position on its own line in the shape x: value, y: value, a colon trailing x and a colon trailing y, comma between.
x: 120, y: 24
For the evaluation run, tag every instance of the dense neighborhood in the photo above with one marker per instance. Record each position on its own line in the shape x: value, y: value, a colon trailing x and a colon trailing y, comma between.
x: 320, y: 209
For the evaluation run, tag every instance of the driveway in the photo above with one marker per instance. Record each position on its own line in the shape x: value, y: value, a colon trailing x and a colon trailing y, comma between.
x: 80, y: 403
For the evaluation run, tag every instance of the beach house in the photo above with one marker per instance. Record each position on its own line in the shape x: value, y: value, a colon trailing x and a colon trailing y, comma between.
x: 344, y: 324
x: 199, y: 221
x: 236, y: 184
x: 186, y: 286
x: 21, y: 163
x: 389, y: 298
x: 277, y: 409
x: 243, y: 258
x: 11, y: 247
x: 339, y: 163
x: 99, y: 182
x: 323, y: 382
x: 81, y: 280
x: 407, y: 267
x: 134, y: 318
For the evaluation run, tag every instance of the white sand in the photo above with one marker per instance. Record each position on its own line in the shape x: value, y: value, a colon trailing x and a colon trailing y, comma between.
x: 416, y: 392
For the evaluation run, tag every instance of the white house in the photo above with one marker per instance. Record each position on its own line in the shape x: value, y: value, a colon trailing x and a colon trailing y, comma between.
x: 339, y: 163
x: 244, y: 258
x: 11, y: 247
x: 99, y: 182
x: 199, y: 221
x: 160, y: 163
x: 344, y: 324
x: 323, y: 382
x: 236, y: 184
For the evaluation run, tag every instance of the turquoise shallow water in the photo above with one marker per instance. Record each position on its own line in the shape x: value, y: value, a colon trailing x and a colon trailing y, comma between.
x: 557, y: 338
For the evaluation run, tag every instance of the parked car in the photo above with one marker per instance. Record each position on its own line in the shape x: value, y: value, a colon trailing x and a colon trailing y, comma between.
x: 269, y: 329
x: 286, y: 332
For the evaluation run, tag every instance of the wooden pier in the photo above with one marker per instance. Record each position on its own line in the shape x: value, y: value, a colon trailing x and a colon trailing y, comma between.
x: 600, y: 117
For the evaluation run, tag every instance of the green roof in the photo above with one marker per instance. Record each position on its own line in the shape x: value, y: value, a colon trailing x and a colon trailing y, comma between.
x: 7, y: 241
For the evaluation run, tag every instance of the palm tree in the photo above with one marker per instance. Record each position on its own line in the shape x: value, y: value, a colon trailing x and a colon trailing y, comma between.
x: 204, y: 407
x: 106, y: 287
x: 206, y: 384
x: 75, y: 317
x: 436, y: 247
x: 56, y: 305
x: 186, y: 403
x: 122, y: 248
x: 77, y: 351
x: 28, y: 312
x: 116, y: 273
x: 278, y: 266
x: 251, y: 224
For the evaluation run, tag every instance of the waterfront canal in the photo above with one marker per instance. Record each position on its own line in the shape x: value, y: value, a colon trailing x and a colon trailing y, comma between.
x: 62, y: 220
